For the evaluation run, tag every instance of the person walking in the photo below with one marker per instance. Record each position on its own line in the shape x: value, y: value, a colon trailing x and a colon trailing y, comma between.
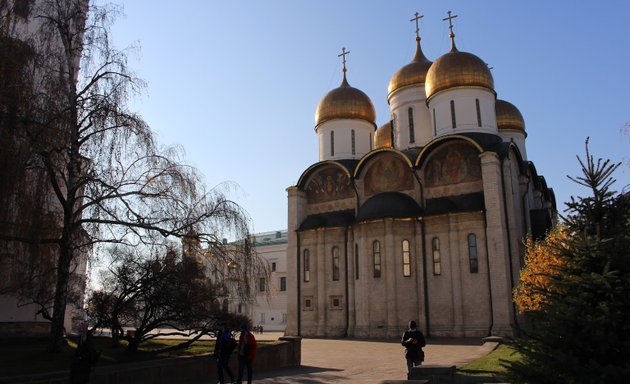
x: 223, y: 348
x: 246, y: 353
x: 413, y: 341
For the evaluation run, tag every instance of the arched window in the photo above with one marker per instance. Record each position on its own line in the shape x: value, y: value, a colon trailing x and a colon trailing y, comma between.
x: 472, y: 253
x: 412, y: 133
x: 406, y: 258
x: 356, y: 261
x: 307, y: 266
x: 376, y: 253
x: 352, y: 138
x: 335, y: 264
x: 478, y: 112
x: 332, y: 143
x: 437, y: 261
x: 453, y: 121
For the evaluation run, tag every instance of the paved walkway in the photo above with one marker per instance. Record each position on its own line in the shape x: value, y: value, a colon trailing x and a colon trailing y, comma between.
x: 366, y: 361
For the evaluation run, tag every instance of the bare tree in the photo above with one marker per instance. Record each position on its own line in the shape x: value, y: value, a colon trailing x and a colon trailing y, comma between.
x: 159, y: 294
x: 104, y: 176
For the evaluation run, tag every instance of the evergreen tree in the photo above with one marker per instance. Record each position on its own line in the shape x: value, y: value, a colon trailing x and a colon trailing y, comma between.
x: 581, y: 334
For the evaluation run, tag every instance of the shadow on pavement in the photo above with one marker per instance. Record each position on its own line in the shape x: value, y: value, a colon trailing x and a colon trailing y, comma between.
x: 300, y: 375
x: 462, y: 341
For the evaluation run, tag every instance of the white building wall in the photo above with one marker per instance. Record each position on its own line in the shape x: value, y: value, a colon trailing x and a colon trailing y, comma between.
x: 269, y: 309
x: 465, y: 111
x: 342, y: 128
x: 399, y: 104
x: 518, y: 137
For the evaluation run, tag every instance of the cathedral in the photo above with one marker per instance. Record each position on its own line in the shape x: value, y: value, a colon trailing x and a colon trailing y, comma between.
x: 421, y: 218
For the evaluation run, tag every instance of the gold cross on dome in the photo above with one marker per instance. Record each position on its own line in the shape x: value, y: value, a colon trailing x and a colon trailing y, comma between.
x: 450, y: 26
x: 450, y: 22
x: 343, y: 54
x: 416, y: 19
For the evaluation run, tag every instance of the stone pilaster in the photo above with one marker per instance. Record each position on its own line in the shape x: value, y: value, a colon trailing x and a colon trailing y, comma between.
x: 322, y: 299
x: 456, y: 261
x: 388, y: 263
x: 296, y: 214
x: 498, y: 262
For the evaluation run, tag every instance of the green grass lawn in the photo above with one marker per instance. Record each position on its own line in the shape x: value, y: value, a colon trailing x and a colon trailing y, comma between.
x: 491, y: 363
x: 29, y: 356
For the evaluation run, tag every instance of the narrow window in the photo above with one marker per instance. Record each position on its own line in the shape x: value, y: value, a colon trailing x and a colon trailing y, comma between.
x: 437, y: 262
x: 453, y: 121
x: 376, y: 251
x: 335, y: 264
x: 283, y: 284
x: 478, y: 112
x: 472, y: 253
x: 434, y: 124
x: 354, y: 148
x: 307, y: 266
x: 308, y: 303
x: 273, y: 267
x: 356, y: 261
x: 261, y: 284
x: 406, y: 258
x: 412, y: 133
x: 240, y: 308
x: 332, y: 143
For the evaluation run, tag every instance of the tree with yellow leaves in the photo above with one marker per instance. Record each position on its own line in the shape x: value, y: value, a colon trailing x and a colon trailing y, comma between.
x: 575, y: 290
x: 543, y: 261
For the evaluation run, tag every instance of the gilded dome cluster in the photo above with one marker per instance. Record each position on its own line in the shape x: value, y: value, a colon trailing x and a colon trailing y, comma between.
x: 454, y: 69
x: 383, y: 136
x: 411, y: 74
x: 509, y: 117
x: 345, y: 102
x: 458, y: 69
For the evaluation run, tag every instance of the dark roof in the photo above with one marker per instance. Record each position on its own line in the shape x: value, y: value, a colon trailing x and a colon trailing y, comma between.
x: 389, y: 204
x: 541, y: 222
x: 328, y: 220
x: 461, y: 203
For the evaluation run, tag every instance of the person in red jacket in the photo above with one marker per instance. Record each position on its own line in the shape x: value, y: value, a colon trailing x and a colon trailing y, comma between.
x: 246, y: 353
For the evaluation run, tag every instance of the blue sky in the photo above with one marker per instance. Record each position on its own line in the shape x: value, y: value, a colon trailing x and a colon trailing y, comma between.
x: 236, y: 83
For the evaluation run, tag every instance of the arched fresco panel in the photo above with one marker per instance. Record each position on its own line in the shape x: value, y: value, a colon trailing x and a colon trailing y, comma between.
x: 327, y: 185
x: 453, y: 164
x: 387, y: 173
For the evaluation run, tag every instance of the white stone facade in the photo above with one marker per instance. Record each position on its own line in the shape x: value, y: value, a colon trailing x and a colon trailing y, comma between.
x: 429, y: 228
x: 269, y: 306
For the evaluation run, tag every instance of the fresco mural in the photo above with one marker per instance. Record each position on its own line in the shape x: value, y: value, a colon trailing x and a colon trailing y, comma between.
x: 388, y: 173
x: 328, y: 184
x: 452, y: 164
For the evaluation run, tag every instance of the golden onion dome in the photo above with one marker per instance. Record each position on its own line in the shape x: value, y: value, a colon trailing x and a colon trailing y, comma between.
x: 509, y: 117
x: 457, y: 69
x: 413, y: 73
x: 383, y: 138
x: 345, y: 102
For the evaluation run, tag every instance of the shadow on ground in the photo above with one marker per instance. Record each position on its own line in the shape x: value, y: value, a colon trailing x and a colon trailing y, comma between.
x: 298, y: 375
x: 465, y: 379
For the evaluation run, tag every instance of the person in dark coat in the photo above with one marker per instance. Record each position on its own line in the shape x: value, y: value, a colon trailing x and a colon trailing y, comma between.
x: 246, y: 353
x: 413, y: 341
x: 223, y: 348
x: 83, y: 360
